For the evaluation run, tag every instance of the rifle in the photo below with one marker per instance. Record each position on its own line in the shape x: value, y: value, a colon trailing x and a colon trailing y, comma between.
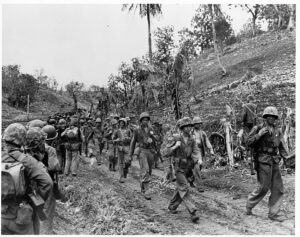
x: 252, y: 161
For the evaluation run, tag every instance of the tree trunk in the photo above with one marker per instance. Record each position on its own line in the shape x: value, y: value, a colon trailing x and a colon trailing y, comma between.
x: 292, y: 22
x: 253, y: 26
x: 229, y: 143
x: 215, y: 36
x: 75, y: 102
x: 149, y: 33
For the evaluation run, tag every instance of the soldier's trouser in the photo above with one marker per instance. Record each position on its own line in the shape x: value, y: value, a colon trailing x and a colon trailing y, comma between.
x: 72, y: 161
x: 146, y: 159
x: 98, y: 148
x: 121, y: 156
x: 182, y: 193
x: 156, y: 156
x: 61, y: 156
x: 269, y: 178
x: 197, y: 175
x: 47, y: 225
x: 112, y: 157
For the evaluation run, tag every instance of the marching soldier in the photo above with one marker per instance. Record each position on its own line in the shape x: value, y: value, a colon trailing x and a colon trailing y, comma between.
x: 17, y: 215
x: 145, y: 151
x: 73, y: 141
x: 121, y: 138
x: 159, y: 137
x: 97, y: 136
x: 186, y: 155
x: 204, y: 146
x: 266, y: 141
x: 60, y: 144
x: 112, y: 149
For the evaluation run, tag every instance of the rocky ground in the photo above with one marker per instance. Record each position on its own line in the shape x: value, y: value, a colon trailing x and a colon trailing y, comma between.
x: 98, y: 204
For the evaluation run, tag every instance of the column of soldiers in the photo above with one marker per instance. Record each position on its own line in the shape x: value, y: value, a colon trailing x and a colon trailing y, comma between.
x: 48, y: 149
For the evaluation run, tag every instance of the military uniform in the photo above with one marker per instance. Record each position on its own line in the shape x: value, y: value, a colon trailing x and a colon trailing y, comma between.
x: 145, y: 152
x: 159, y: 137
x: 112, y: 149
x: 96, y: 143
x: 12, y: 220
x: 186, y: 155
x: 72, y: 145
x: 122, y: 138
x: 267, y: 148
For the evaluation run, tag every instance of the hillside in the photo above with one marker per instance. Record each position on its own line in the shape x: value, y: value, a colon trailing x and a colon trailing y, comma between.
x: 47, y: 102
x: 96, y: 203
x: 263, y: 66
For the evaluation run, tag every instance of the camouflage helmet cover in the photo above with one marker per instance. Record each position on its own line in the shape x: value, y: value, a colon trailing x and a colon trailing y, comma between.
x: 98, y: 120
x: 15, y: 133
x: 271, y: 110
x: 37, y: 123
x: 34, y: 137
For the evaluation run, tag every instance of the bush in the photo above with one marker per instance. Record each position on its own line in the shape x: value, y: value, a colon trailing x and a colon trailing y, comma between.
x: 231, y: 40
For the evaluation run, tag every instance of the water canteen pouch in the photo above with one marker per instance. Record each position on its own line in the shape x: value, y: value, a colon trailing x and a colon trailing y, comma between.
x: 13, y: 182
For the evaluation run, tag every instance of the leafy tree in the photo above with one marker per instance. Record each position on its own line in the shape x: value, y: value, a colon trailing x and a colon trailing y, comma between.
x: 18, y: 86
x: 146, y: 10
x: 74, y: 89
x: 188, y: 40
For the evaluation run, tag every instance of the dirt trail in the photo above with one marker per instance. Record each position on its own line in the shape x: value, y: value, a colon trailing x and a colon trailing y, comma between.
x: 221, y: 211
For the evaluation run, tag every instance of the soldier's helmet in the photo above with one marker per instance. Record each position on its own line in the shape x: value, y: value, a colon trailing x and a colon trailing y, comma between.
x: 114, y: 122
x: 50, y: 131
x: 34, y: 137
x: 15, y: 133
x: 62, y: 122
x: 271, y: 110
x: 37, y: 123
x: 52, y: 121
x: 82, y: 121
x: 73, y: 122
x: 98, y: 120
x: 123, y: 120
x: 197, y: 120
x: 186, y: 121
x: 144, y: 115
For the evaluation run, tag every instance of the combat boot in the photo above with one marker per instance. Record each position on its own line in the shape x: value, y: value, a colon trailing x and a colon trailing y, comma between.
x: 249, y: 211
x: 194, y: 217
x: 276, y: 218
x: 121, y: 180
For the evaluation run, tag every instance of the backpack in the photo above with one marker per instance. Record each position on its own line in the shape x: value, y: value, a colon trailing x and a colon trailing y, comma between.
x: 13, y: 182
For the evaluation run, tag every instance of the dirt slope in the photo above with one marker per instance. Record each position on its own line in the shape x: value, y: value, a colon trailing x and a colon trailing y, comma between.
x: 104, y: 206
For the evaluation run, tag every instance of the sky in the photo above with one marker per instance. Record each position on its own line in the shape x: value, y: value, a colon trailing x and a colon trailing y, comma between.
x: 85, y: 43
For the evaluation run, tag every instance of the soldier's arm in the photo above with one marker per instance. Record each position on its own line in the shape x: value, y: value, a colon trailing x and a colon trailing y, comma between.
x: 37, y: 172
x: 133, y: 142
x: 253, y: 136
x: 244, y: 115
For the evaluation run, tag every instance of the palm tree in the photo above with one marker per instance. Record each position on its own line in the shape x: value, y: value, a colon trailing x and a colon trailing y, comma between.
x: 145, y: 10
x: 215, y: 9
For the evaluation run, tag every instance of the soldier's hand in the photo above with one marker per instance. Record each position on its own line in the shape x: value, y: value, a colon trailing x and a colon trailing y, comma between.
x: 263, y: 131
